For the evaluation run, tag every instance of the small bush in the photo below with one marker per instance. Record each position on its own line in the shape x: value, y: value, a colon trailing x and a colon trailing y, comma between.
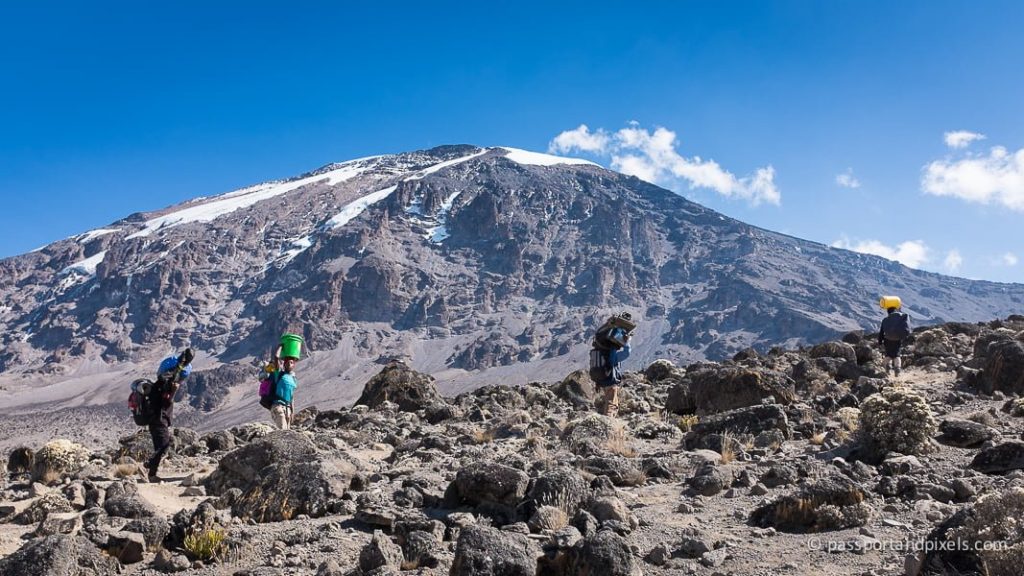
x: 896, y: 420
x: 849, y: 418
x: 206, y: 545
x: 57, y: 458
x: 996, y: 522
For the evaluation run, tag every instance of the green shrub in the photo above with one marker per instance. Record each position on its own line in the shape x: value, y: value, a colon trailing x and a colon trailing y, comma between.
x: 206, y: 545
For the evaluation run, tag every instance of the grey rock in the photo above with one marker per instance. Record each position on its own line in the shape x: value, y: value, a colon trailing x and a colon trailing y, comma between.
x: 483, y: 551
x: 409, y: 389
x: 721, y: 388
x: 169, y: 563
x: 495, y: 487
x: 378, y: 552
x: 831, y: 503
x: 748, y: 421
x: 281, y: 476
x: 964, y: 433
x: 1000, y: 458
x: 59, y: 554
x: 603, y: 554
x: 59, y: 523
x: 153, y: 530
x: 127, y: 547
x: 123, y: 500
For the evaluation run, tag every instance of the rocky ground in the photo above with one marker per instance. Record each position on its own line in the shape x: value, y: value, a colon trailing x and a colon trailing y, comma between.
x: 811, y: 461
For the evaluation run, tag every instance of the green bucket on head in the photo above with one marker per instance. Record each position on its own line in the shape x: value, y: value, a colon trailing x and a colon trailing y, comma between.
x: 291, y: 346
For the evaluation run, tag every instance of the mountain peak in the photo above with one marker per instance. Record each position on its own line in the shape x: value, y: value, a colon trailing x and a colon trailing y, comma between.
x: 473, y: 262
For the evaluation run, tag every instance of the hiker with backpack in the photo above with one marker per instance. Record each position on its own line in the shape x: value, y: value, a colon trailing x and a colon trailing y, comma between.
x: 159, y: 406
x: 894, y: 330
x: 278, y: 385
x: 610, y: 348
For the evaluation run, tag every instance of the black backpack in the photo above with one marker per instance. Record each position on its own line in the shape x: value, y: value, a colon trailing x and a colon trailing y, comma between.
x: 141, y: 404
x: 896, y: 326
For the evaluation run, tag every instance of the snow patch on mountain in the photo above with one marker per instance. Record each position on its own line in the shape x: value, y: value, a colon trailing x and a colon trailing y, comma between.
x: 227, y: 203
x: 93, y: 234
x: 538, y: 159
x: 85, y: 267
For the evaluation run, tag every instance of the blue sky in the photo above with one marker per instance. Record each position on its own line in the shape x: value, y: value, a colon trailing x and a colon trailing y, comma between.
x: 890, y: 127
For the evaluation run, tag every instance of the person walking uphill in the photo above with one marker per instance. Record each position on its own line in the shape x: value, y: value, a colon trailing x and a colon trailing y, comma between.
x: 161, y: 397
x: 894, y: 330
x: 610, y: 349
x: 277, y: 390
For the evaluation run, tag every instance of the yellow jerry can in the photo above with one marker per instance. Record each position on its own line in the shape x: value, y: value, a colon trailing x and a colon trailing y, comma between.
x: 887, y: 302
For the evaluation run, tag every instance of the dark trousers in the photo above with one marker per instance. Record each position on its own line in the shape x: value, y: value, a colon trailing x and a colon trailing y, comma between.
x: 161, y: 434
x: 892, y: 348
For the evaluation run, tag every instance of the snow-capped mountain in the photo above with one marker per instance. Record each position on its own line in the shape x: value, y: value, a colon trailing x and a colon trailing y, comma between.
x: 473, y: 264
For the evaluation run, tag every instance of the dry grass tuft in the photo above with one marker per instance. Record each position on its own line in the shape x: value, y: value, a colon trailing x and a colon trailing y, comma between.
x: 618, y: 442
x: 125, y: 470
x: 687, y: 422
x: 728, y: 453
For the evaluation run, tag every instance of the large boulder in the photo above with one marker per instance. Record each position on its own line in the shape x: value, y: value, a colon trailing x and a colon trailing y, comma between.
x: 603, y: 554
x: 577, y: 389
x: 398, y: 383
x: 739, y: 423
x: 964, y: 433
x: 563, y: 488
x: 832, y: 503
x: 484, y: 551
x: 591, y: 435
x: 680, y: 398
x: 379, y: 552
x: 720, y: 388
x: 123, y: 500
x: 1004, y: 368
x: 494, y: 489
x: 834, y: 350
x: 1000, y: 458
x: 61, y: 555
x: 281, y: 476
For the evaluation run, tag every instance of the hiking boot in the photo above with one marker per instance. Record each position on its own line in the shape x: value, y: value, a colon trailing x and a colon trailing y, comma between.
x: 153, y: 478
x: 897, y: 372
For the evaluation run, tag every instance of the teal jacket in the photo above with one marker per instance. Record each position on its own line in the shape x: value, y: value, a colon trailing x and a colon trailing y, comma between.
x: 285, y: 389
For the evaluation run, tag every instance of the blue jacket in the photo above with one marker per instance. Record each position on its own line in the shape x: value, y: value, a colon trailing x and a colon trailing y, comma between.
x: 285, y: 389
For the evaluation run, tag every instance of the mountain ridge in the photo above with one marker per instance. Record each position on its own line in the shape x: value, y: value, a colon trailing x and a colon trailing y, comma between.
x: 471, y: 263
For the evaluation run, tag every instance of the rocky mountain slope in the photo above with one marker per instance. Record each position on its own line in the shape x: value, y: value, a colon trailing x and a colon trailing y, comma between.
x: 472, y: 264
x: 814, y: 463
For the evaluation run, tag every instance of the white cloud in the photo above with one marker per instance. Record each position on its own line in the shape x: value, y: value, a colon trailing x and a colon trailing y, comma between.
x: 1009, y: 259
x: 962, y: 138
x: 996, y: 178
x: 912, y: 253
x: 652, y: 156
x: 580, y: 139
x: 847, y: 179
x: 953, y: 261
